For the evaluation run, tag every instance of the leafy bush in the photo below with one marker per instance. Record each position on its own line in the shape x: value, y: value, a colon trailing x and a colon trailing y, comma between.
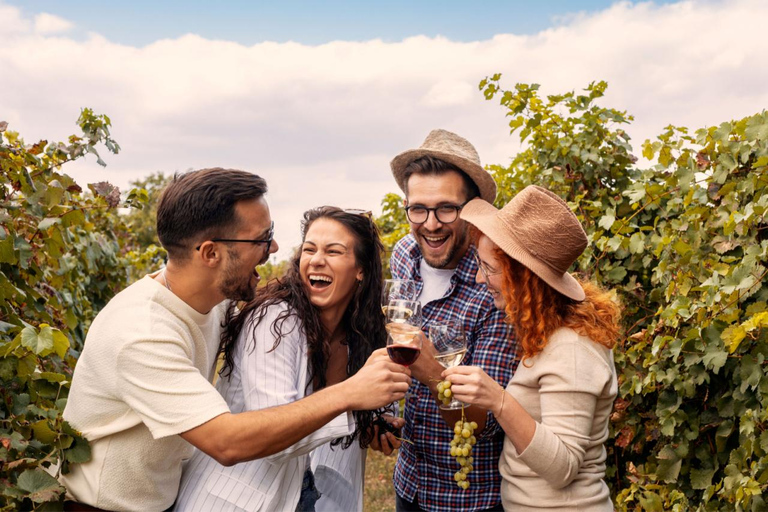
x: 63, y: 254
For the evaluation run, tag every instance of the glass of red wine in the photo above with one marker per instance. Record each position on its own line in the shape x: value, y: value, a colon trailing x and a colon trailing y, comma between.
x: 404, y: 331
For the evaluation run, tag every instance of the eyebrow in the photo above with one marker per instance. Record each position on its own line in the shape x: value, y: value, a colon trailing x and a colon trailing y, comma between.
x: 329, y: 245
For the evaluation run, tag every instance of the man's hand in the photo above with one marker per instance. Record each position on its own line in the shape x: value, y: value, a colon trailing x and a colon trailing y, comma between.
x: 380, y: 382
x: 387, y: 442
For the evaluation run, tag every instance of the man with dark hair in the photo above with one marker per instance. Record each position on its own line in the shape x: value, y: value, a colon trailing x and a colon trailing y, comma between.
x: 141, y: 393
x: 438, y: 179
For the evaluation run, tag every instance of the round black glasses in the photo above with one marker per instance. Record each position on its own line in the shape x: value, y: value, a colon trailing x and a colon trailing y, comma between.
x: 445, y: 214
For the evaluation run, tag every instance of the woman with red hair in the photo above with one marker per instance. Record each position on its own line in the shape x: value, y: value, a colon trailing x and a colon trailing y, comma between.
x: 555, y: 409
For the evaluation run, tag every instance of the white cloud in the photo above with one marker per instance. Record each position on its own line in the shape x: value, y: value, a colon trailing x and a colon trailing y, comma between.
x: 322, y: 122
x: 449, y: 94
x: 50, y: 24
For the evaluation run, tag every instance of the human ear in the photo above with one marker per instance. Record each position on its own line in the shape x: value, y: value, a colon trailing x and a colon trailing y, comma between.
x: 209, y: 254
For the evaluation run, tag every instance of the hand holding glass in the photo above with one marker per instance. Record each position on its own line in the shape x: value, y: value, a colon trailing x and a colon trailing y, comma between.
x: 450, y: 346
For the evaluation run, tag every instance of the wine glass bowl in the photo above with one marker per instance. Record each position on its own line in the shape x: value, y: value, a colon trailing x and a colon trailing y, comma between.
x: 450, y: 344
x: 403, y: 312
x: 397, y: 289
x: 404, y: 349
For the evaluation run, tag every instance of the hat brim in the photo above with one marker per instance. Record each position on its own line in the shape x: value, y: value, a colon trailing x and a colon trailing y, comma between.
x: 476, y: 173
x: 484, y: 216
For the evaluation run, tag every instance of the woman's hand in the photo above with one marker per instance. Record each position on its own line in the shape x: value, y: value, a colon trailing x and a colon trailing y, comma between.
x: 472, y: 385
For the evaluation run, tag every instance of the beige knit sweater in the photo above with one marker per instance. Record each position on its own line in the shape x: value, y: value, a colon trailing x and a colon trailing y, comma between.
x: 568, y: 389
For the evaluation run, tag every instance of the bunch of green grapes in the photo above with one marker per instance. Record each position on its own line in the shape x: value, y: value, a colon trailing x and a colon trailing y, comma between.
x: 444, y: 392
x: 461, y: 449
x: 463, y: 437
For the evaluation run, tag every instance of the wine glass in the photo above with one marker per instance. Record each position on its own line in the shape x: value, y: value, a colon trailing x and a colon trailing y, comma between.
x: 450, y: 346
x: 404, y: 331
x: 397, y: 289
x: 403, y: 348
x: 403, y: 312
x: 403, y: 335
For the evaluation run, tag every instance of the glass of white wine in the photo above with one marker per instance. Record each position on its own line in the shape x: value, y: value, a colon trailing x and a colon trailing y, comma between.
x: 450, y: 345
x: 397, y: 289
x: 403, y: 319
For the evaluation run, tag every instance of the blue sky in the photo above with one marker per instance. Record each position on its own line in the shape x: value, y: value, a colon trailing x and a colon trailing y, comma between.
x: 141, y: 22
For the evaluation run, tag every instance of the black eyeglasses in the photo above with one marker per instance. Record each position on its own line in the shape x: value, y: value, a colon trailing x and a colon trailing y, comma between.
x: 445, y: 214
x: 268, y: 240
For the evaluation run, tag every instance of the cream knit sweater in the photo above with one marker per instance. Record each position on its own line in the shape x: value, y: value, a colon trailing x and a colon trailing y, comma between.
x: 568, y: 389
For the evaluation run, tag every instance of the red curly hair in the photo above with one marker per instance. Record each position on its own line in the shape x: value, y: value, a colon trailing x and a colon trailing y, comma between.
x: 536, y: 309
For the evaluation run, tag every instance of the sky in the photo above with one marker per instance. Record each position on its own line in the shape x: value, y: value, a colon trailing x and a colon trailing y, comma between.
x: 318, y: 97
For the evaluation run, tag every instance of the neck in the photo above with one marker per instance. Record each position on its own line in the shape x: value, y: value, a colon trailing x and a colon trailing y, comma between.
x: 191, y: 286
x: 331, y: 318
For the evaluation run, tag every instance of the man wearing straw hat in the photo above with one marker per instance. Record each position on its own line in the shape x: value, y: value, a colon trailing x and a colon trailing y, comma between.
x: 438, y: 179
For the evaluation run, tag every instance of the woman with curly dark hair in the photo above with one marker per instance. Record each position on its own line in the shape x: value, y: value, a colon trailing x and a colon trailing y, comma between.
x: 311, y: 328
x: 555, y: 409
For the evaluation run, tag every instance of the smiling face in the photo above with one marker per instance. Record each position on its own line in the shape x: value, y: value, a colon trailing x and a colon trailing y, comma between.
x: 490, y: 270
x: 327, y: 265
x: 239, y: 277
x: 442, y: 245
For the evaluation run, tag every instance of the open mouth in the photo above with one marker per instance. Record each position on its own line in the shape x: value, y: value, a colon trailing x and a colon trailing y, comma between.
x: 319, y: 282
x: 435, y: 242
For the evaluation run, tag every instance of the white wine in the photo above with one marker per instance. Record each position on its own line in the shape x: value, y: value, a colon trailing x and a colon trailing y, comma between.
x: 401, y: 332
x: 451, y: 359
x: 397, y: 314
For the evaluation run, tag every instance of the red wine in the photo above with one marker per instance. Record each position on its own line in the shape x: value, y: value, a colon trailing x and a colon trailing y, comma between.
x: 403, y: 354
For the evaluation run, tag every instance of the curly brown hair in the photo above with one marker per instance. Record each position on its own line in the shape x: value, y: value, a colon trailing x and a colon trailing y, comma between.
x: 536, y: 310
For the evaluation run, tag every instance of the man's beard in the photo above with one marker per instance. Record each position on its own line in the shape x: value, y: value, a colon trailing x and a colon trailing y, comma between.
x: 234, y: 286
x: 458, y: 242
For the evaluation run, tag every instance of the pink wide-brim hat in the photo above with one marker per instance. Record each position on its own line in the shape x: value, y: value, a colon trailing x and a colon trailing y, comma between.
x: 539, y: 230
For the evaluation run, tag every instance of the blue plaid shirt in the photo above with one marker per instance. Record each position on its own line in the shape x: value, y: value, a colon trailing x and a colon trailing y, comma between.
x: 425, y: 468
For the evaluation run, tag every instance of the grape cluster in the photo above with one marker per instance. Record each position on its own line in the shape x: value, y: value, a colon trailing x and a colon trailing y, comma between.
x: 463, y: 437
x: 461, y: 449
x: 444, y: 392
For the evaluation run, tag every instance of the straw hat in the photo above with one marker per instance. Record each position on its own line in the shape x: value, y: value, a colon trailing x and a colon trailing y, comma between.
x: 450, y: 148
x: 537, y: 229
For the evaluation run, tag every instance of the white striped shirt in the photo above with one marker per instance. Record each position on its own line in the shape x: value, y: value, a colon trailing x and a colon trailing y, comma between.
x: 339, y: 477
x: 262, y: 378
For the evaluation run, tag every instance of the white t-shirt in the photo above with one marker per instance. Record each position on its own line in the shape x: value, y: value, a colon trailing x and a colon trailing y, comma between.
x: 143, y: 377
x: 262, y: 378
x: 437, y: 281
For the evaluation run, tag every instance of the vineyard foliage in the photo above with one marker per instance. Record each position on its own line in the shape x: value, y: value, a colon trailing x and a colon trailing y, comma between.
x: 682, y: 238
x: 64, y: 252
x: 683, y: 241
